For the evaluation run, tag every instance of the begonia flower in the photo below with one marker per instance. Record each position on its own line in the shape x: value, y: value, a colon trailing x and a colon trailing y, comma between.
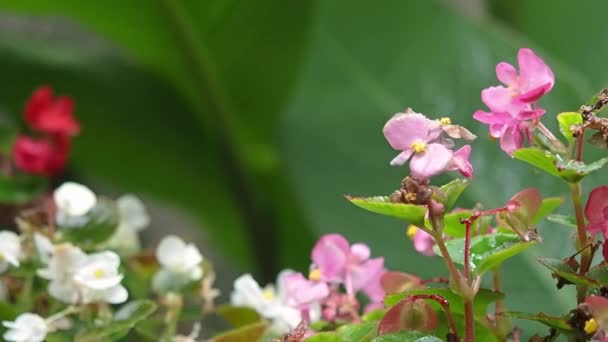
x: 73, y: 202
x: 10, y: 250
x: 300, y: 292
x: 460, y: 161
x: 99, y: 280
x: 51, y: 115
x: 339, y: 262
x: 133, y: 219
x: 41, y: 156
x: 596, y: 211
x: 423, y: 241
x: 27, y: 327
x: 180, y: 264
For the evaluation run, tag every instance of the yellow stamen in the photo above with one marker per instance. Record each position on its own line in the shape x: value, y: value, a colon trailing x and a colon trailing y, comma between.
x: 445, y: 121
x: 315, y: 274
x: 418, y: 146
x: 410, y: 196
x: 99, y: 273
x: 268, y: 294
x: 591, y: 326
x: 411, y: 231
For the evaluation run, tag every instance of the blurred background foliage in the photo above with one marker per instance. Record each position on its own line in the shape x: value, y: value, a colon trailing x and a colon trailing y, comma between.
x: 256, y: 117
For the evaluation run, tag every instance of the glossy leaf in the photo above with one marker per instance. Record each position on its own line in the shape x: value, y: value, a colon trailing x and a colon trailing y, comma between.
x: 411, y: 213
x: 363, y: 332
x: 571, y: 171
x: 247, y: 333
x: 566, y: 220
x: 482, y: 300
x: 566, y: 120
x: 238, y: 316
x: 407, y: 336
x: 101, y: 224
x: 452, y: 225
x: 21, y: 188
x: 451, y: 191
x: 325, y: 337
x: 548, y: 205
x: 557, y: 323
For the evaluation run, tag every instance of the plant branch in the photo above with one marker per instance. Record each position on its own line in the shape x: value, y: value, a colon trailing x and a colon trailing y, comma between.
x: 445, y: 305
x: 575, y: 190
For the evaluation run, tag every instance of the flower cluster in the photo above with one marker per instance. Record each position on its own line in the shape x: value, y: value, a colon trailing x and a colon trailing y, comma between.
x: 428, y: 143
x: 338, y: 273
x: 513, y: 111
x: 53, y: 125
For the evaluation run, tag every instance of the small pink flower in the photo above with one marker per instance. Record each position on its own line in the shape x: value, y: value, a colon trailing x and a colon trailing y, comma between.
x: 375, y: 292
x: 338, y: 262
x: 300, y: 292
x: 535, y: 78
x: 415, y: 134
x: 460, y: 161
x: 596, y: 211
x: 423, y: 241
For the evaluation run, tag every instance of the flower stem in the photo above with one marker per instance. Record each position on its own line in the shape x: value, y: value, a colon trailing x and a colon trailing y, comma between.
x: 449, y: 262
x: 174, y: 305
x: 445, y: 305
x: 575, y: 190
x: 469, y: 335
x: 467, y: 251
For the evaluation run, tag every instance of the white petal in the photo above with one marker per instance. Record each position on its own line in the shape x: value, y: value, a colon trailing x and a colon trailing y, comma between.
x: 116, y: 295
x: 133, y: 213
x: 74, y: 199
x: 44, y: 247
x: 170, y: 252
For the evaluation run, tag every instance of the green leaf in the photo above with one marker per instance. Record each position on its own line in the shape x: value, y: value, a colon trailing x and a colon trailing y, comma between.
x: 362, y: 332
x: 566, y: 120
x: 483, y: 298
x: 374, y: 315
x: 565, y: 271
x: 411, y: 213
x: 571, y: 171
x: 488, y: 251
x: 407, y: 336
x: 101, y: 223
x: 452, y: 191
x: 325, y: 337
x: 557, y: 323
x: 21, y: 188
x: 247, y: 333
x: 547, y: 206
x: 451, y: 222
x: 125, y: 319
x: 566, y: 220
x: 238, y: 316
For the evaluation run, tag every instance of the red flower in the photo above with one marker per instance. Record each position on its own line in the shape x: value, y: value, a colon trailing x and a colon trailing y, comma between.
x: 41, y: 156
x: 45, y: 114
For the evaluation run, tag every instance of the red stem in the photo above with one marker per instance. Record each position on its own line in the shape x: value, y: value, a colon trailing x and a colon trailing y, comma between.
x: 467, y: 250
x: 579, y: 145
x: 445, y: 305
x: 468, y: 320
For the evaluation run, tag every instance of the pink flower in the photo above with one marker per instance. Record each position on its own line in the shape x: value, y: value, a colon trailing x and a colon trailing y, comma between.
x: 535, y: 78
x: 504, y: 127
x: 338, y: 262
x: 460, y: 161
x: 415, y: 134
x: 423, y: 241
x: 375, y: 292
x: 300, y: 292
x: 596, y: 211
x: 45, y: 114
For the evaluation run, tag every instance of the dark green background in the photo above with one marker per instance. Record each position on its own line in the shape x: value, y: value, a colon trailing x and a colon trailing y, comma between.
x: 256, y: 117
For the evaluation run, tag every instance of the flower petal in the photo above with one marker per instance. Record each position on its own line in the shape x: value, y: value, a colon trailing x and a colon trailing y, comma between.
x: 595, y: 210
x: 535, y: 77
x: 403, y: 129
x: 460, y: 161
x: 401, y: 158
x: 506, y: 74
x: 511, y: 140
x: 330, y: 255
x: 431, y: 162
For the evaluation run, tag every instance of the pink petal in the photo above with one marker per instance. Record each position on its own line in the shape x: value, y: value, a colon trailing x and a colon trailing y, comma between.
x: 498, y: 99
x: 507, y: 74
x: 361, y: 275
x: 374, y: 289
x: 599, y: 309
x: 534, y: 74
x: 401, y: 158
x: 460, y: 161
x: 529, y: 114
x: 330, y: 254
x: 360, y: 251
x: 431, y: 162
x: 595, y: 210
x: 424, y: 242
x: 403, y: 129
x: 511, y: 140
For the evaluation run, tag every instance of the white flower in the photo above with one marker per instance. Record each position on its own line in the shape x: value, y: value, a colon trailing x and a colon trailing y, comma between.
x: 73, y: 202
x: 99, y: 280
x: 44, y: 247
x: 133, y: 219
x: 75, y: 277
x: 267, y: 302
x: 27, y: 327
x: 10, y: 250
x: 176, y: 256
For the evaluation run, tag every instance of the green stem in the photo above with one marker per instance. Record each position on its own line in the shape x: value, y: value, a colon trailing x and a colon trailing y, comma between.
x: 575, y: 190
x: 174, y: 310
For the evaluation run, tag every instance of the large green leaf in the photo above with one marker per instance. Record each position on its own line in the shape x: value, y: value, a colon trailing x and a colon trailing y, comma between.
x: 369, y: 62
x: 190, y: 107
x: 570, y: 170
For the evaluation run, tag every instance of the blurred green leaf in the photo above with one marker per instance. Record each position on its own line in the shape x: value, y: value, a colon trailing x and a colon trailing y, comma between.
x: 596, y: 277
x: 407, y: 336
x: 488, y: 251
x: 247, y: 333
x: 566, y: 120
x: 101, y: 223
x: 411, y: 213
x: 452, y: 191
x: 21, y: 188
x: 238, y: 316
x: 558, y: 323
x: 571, y: 171
x: 361, y: 332
x: 124, y: 320
x: 566, y: 220
x: 547, y: 206
x: 452, y: 225
x: 324, y: 337
x: 483, y: 298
